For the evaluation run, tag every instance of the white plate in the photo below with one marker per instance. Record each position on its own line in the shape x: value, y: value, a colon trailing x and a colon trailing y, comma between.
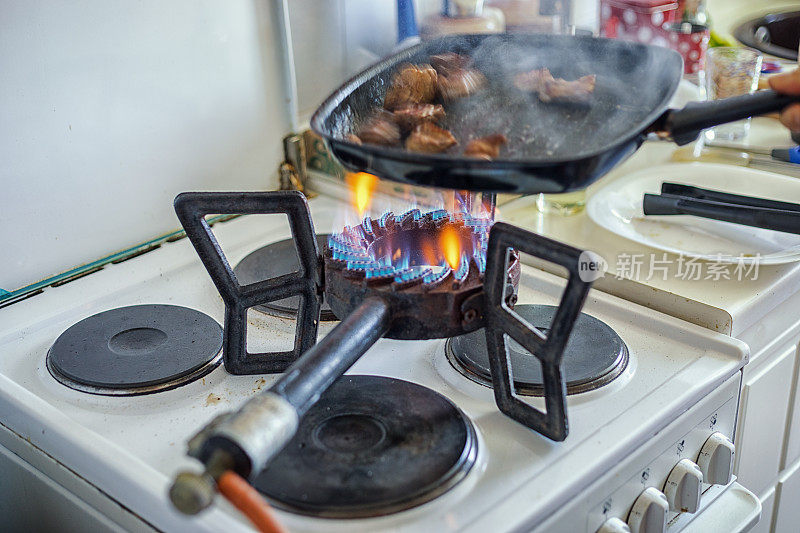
x: 617, y: 207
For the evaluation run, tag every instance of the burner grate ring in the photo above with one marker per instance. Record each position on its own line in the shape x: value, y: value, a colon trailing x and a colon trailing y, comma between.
x: 428, y: 299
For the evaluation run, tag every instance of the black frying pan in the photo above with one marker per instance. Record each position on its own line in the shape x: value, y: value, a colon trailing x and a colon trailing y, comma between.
x: 552, y: 148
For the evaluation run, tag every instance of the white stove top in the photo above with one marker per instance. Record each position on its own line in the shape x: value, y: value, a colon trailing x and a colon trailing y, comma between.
x: 130, y: 447
x: 729, y: 306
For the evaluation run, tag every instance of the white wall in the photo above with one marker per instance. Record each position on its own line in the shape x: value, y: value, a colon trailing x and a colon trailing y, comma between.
x: 108, y: 108
x: 334, y: 39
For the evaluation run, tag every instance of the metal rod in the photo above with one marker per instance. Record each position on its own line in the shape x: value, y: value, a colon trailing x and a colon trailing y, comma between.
x: 462, y: 202
x: 489, y: 201
x: 312, y: 374
x: 261, y: 428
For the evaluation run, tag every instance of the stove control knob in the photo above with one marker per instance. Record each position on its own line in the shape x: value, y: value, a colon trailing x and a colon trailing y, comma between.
x: 716, y: 459
x: 683, y: 487
x: 649, y: 512
x: 614, y: 525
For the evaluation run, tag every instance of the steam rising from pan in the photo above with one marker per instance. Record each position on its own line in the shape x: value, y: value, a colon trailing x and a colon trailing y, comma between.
x: 630, y: 86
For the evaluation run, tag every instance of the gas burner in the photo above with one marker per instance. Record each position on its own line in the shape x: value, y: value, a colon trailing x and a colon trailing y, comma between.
x: 595, y: 355
x: 427, y: 267
x: 275, y: 260
x: 413, y: 248
x: 134, y: 350
x: 371, y: 446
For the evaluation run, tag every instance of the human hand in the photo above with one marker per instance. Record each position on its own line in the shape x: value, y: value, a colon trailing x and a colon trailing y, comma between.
x: 788, y: 83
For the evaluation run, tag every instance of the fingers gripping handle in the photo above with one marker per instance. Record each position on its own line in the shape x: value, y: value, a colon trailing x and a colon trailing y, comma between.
x: 192, y: 207
x: 547, y: 348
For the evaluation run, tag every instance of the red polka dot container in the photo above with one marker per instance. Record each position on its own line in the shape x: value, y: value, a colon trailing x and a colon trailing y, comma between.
x: 641, y: 21
x: 691, y: 42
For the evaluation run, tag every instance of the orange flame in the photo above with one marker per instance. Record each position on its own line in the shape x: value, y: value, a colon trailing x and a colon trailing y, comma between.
x: 361, y: 187
x: 429, y: 252
x: 451, y: 246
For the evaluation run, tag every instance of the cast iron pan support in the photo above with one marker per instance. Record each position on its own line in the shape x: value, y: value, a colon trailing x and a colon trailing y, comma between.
x: 192, y: 208
x: 547, y: 348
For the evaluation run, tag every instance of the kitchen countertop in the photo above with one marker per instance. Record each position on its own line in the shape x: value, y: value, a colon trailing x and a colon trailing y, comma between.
x: 727, y: 306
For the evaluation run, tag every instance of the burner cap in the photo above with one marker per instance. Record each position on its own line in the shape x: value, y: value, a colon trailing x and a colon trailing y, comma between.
x: 275, y: 260
x: 594, y: 355
x: 136, y: 350
x: 371, y: 446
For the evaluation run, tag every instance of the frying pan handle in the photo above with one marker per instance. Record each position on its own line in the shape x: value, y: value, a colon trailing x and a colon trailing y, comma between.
x: 684, y: 125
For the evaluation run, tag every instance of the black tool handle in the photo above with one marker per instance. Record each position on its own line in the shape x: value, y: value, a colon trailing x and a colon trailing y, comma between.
x: 314, y: 373
x: 262, y: 427
x: 679, y: 189
x: 246, y: 441
x: 684, y: 125
x: 759, y: 217
x: 547, y: 348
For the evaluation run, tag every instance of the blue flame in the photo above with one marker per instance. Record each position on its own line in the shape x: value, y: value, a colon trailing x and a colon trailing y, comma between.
x: 403, y: 263
x: 411, y: 274
x: 480, y: 260
x: 352, y: 246
x: 367, y: 226
x: 415, y: 213
x: 350, y: 256
x: 380, y: 272
x: 436, y: 277
x: 385, y: 218
x: 463, y: 269
x: 362, y: 265
x: 437, y: 214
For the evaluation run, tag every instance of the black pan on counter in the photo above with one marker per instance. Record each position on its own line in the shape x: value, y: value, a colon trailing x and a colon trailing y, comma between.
x: 552, y: 148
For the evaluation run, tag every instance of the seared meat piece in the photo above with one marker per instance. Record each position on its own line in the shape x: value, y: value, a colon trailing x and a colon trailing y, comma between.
x: 532, y: 81
x: 411, y: 115
x: 550, y: 89
x: 460, y: 83
x: 449, y: 62
x: 455, y: 79
x: 380, y: 128
x: 430, y: 138
x: 412, y: 84
x: 486, y: 147
x: 574, y: 92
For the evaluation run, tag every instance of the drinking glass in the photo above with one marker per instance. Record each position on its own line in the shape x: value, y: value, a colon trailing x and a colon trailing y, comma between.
x: 569, y: 203
x: 731, y: 71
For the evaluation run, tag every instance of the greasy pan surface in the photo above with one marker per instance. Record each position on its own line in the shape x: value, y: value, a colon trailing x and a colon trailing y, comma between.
x: 551, y: 147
